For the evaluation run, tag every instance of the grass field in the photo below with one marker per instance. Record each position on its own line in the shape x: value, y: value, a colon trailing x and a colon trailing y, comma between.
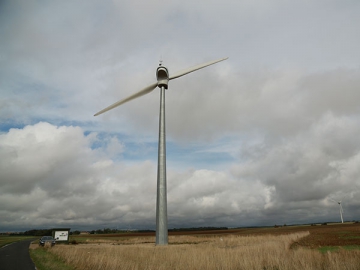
x: 302, y: 247
x: 6, y: 239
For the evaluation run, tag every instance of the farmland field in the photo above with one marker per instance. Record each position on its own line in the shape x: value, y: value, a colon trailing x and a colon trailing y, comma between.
x: 336, y: 234
x: 289, y: 247
x: 6, y: 239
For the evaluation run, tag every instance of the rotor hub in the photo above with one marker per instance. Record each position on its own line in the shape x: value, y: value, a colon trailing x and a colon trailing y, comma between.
x: 162, y: 76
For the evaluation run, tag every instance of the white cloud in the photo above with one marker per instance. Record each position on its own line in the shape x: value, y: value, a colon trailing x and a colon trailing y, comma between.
x: 310, y: 166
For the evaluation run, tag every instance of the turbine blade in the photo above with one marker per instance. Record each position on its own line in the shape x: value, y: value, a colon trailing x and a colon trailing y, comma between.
x: 192, y: 69
x: 144, y: 91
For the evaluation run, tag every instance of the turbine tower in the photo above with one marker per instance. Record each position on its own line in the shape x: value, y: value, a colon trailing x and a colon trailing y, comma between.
x: 340, y: 209
x: 163, y: 78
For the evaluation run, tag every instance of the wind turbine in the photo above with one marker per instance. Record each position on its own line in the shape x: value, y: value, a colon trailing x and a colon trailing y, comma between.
x: 163, y: 79
x: 341, y: 209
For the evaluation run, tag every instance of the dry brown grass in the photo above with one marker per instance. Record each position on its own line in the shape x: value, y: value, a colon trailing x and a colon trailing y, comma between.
x: 211, y: 252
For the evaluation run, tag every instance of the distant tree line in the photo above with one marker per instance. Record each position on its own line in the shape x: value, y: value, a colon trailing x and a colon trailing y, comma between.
x: 198, y: 229
x: 106, y: 231
x: 112, y: 231
x: 35, y: 232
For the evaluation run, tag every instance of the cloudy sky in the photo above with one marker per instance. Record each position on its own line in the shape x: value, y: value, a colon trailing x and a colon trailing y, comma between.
x: 269, y: 136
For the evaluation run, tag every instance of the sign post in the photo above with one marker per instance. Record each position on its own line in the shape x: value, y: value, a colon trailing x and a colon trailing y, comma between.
x: 61, y: 234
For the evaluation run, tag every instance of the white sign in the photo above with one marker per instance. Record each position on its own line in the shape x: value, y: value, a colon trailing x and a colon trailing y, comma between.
x: 61, y: 235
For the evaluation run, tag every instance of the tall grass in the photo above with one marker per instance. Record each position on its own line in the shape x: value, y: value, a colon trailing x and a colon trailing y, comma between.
x: 191, y: 252
x: 45, y: 260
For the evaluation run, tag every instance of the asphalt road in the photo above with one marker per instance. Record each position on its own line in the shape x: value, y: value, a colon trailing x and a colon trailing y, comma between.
x: 16, y: 256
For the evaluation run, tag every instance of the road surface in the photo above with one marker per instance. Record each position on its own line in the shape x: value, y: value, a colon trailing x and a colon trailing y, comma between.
x: 16, y: 256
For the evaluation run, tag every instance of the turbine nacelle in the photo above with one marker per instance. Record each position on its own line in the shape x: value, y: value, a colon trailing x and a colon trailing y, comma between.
x: 162, y: 76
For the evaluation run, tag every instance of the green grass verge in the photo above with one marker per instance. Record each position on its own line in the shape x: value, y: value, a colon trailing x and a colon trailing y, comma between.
x: 5, y: 239
x: 326, y: 249
x: 351, y: 247
x: 45, y: 260
x: 350, y: 237
x: 331, y: 248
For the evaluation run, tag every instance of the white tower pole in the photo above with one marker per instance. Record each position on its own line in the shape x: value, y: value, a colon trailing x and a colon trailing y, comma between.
x: 341, y: 211
x: 161, y: 198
